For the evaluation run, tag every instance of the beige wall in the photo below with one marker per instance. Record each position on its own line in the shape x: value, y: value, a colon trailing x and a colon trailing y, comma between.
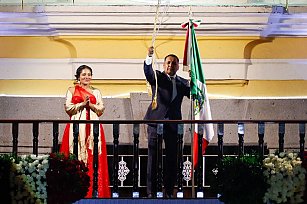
x: 134, y: 47
x: 264, y: 67
x: 237, y: 60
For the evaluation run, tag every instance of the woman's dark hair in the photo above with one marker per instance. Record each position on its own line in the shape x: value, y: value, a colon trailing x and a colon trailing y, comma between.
x: 79, y: 70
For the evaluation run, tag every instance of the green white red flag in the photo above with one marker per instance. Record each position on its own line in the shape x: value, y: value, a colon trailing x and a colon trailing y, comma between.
x: 202, y: 110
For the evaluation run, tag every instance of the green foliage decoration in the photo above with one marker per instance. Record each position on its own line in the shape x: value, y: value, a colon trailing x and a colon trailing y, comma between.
x: 240, y: 180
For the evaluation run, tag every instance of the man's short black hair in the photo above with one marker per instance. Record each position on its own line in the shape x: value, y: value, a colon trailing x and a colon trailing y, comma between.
x: 172, y: 55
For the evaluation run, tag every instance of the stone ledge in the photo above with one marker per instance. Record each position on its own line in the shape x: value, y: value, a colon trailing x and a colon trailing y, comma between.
x: 134, y: 108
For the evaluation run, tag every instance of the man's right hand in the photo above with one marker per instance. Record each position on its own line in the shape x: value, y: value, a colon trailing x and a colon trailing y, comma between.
x: 150, y: 51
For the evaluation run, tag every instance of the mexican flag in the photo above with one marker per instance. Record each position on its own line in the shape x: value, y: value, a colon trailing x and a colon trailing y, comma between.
x: 192, y: 61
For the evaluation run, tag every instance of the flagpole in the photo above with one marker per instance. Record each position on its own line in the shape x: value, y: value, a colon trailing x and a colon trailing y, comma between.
x: 192, y: 126
x: 187, y: 67
x: 192, y: 118
x: 192, y: 143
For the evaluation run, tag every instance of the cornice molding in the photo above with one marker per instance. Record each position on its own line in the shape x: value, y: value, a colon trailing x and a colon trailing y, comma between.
x: 139, y: 21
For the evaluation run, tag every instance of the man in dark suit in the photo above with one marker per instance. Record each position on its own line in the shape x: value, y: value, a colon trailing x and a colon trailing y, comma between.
x: 170, y: 93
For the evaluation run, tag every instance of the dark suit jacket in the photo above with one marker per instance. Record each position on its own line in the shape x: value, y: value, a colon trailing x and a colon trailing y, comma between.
x: 165, y: 107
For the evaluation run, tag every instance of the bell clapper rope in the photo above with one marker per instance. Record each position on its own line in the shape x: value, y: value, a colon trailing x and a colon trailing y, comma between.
x: 155, y: 32
x: 154, y: 103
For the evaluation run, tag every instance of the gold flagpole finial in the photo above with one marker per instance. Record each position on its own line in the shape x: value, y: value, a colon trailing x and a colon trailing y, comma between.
x: 190, y: 12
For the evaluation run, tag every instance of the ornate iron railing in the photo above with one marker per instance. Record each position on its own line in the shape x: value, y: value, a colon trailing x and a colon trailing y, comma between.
x: 116, y: 166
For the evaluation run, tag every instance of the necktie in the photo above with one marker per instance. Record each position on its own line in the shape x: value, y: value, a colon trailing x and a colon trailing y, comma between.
x: 174, y: 88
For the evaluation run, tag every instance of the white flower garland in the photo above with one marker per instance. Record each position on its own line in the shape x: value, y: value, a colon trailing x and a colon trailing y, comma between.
x: 286, y: 178
x: 29, y: 179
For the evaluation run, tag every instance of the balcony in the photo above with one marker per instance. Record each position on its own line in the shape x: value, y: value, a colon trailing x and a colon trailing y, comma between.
x: 127, y: 164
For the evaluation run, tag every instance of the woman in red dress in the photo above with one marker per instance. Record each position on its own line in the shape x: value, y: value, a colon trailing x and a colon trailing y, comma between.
x: 84, y: 102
